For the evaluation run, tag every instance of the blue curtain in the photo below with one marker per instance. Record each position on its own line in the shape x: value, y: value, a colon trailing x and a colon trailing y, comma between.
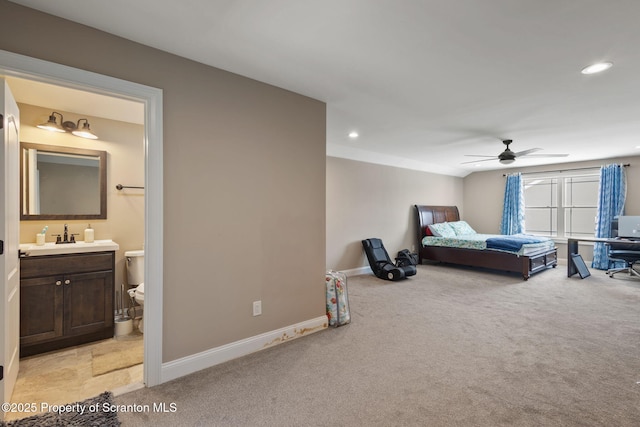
x: 513, y: 210
x: 612, y: 193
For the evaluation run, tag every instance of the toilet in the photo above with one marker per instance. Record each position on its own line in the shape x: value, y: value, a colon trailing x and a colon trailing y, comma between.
x: 135, y: 278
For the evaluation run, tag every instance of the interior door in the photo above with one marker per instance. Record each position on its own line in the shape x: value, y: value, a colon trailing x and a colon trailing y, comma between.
x: 9, y: 241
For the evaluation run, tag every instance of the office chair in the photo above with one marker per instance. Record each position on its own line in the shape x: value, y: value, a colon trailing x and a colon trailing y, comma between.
x: 630, y: 259
x: 629, y: 254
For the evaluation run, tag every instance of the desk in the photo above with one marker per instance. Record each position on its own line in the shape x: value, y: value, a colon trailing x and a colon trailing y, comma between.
x: 572, y: 248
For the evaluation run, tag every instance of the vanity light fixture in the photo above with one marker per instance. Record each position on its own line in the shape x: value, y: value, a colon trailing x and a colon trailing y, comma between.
x: 353, y: 135
x: 52, y: 125
x: 85, y: 132
x: 74, y: 128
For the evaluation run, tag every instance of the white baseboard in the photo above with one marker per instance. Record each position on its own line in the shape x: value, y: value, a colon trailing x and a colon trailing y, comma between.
x: 196, y: 362
x: 357, y: 271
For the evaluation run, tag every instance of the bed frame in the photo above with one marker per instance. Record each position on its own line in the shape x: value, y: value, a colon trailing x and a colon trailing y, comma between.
x: 503, y: 261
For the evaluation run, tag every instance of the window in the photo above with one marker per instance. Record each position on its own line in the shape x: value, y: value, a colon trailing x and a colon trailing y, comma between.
x: 561, y: 206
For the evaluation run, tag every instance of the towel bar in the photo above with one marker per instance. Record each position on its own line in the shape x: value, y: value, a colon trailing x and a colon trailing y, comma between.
x: 120, y: 187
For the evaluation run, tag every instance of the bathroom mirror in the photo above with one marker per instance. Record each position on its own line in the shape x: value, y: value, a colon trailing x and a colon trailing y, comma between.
x: 62, y: 182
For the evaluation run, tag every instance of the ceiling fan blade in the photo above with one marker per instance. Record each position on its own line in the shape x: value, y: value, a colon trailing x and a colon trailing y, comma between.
x: 527, y: 152
x: 483, y: 160
x: 547, y: 155
x: 479, y: 155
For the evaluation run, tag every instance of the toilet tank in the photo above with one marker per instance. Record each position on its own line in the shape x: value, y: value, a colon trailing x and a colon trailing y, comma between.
x: 135, y: 267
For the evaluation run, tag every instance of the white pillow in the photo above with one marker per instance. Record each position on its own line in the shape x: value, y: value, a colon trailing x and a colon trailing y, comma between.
x: 442, y: 229
x: 461, y: 228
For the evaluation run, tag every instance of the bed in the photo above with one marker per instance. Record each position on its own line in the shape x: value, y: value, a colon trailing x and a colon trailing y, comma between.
x: 525, y: 262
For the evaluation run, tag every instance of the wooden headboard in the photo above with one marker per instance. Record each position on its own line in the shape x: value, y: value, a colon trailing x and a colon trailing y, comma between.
x: 434, y: 214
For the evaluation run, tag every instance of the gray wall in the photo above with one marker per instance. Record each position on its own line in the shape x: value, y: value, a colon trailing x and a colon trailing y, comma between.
x: 244, y: 184
x: 366, y: 200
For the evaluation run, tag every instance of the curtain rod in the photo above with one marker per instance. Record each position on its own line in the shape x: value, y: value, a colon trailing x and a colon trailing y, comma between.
x: 565, y: 170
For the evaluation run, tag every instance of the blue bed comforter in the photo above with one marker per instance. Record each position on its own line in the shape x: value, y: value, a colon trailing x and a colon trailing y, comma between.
x: 513, y: 242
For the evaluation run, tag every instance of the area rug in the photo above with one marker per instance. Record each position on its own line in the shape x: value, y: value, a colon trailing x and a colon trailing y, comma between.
x: 116, y: 355
x: 97, y: 411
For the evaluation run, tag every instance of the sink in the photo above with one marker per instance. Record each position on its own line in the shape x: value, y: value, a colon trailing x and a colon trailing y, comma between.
x: 50, y: 248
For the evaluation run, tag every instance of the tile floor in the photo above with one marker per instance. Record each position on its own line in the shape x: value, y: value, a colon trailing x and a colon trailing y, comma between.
x: 65, y: 376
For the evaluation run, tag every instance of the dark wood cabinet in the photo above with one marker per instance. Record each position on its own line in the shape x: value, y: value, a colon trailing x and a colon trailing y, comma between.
x: 65, y: 300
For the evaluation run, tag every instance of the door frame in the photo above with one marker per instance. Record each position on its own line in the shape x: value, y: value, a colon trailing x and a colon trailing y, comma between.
x: 15, y: 65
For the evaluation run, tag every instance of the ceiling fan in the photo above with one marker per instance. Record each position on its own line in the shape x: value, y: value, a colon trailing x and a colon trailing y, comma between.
x: 508, y: 156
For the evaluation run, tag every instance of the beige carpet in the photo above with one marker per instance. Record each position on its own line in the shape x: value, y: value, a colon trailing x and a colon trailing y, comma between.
x: 447, y: 347
x: 114, y: 355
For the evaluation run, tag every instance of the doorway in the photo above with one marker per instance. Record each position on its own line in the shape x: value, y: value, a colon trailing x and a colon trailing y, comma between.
x: 23, y: 67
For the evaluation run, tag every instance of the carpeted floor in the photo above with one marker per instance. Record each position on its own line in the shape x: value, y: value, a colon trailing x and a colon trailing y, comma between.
x: 449, y: 346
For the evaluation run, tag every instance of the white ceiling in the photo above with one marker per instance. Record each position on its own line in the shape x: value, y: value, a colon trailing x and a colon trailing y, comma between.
x: 424, y: 82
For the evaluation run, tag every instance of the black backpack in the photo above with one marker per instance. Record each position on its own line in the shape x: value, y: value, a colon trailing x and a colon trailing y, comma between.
x: 405, y: 257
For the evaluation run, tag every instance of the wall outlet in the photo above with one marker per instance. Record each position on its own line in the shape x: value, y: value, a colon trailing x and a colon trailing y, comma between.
x: 413, y: 248
x: 257, y: 308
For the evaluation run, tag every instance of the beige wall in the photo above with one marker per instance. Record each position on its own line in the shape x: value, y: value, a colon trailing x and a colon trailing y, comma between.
x: 484, y: 194
x: 244, y: 184
x: 365, y: 200
x: 124, y: 144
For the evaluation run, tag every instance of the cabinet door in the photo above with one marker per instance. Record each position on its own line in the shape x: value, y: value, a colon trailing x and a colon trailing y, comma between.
x: 41, y: 309
x: 88, y: 302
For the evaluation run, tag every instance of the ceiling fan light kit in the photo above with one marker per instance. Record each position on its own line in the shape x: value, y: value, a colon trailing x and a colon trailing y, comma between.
x: 597, y: 68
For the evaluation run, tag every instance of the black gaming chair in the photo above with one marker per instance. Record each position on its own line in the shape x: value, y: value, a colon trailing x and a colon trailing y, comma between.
x: 381, y: 264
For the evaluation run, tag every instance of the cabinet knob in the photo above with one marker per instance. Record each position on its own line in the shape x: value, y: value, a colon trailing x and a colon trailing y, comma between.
x: 66, y: 282
x: 58, y: 282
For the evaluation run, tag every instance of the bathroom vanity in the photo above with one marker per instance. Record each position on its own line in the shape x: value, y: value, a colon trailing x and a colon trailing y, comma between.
x: 66, y: 295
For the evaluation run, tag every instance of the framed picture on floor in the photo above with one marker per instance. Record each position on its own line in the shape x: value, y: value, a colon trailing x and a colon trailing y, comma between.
x: 583, y: 271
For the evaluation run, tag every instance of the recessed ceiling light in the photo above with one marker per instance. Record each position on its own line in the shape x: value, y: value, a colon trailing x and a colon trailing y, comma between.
x: 597, y: 68
x: 353, y: 135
